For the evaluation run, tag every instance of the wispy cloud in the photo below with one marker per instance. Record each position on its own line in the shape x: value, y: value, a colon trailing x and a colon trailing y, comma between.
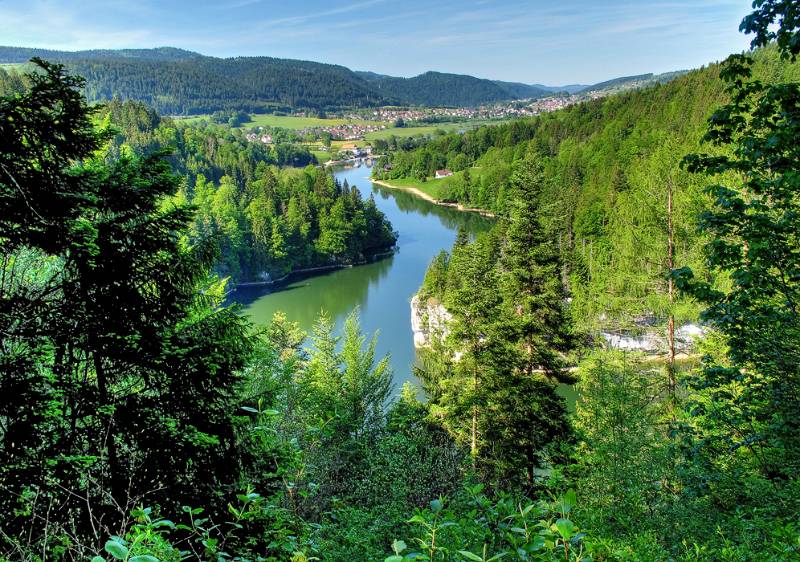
x: 527, y: 40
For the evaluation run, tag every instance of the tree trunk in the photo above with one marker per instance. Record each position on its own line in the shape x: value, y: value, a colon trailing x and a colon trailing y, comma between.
x: 671, y: 289
x: 116, y: 477
x: 473, y: 450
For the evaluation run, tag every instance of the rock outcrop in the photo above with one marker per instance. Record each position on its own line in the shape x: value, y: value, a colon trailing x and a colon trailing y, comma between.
x: 654, y: 340
x: 428, y: 320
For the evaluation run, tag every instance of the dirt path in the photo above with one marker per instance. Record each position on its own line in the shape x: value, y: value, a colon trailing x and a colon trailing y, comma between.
x: 427, y: 197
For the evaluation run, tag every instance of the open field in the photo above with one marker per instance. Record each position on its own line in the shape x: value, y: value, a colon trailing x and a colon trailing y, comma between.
x: 432, y: 188
x: 297, y: 123
x: 288, y: 121
x: 338, y: 144
x: 425, y: 130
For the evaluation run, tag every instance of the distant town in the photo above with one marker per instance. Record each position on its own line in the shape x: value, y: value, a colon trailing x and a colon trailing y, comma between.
x: 365, y: 122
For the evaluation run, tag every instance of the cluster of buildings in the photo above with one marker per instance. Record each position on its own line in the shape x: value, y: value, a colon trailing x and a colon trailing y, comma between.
x: 554, y: 103
x: 348, y: 131
x: 259, y: 137
x: 382, y: 116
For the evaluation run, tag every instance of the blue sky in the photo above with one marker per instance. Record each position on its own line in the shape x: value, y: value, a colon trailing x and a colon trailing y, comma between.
x: 552, y: 42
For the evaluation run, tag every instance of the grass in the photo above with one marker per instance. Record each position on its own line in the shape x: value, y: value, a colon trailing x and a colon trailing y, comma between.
x: 12, y: 65
x: 433, y: 187
x: 298, y: 123
x: 337, y: 145
x: 425, y: 130
x: 322, y: 155
x: 291, y: 122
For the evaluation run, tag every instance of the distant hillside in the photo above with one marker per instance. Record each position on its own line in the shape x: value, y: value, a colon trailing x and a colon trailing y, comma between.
x: 633, y: 82
x: 179, y: 82
x: 437, y: 88
x: 173, y: 81
x: 569, y: 88
x: 523, y: 91
x: 605, y: 164
x: 24, y: 54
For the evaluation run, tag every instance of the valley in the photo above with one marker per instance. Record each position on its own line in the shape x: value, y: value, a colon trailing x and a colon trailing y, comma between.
x: 265, y: 309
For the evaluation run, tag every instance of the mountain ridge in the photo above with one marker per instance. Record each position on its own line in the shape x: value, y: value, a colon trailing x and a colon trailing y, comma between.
x: 179, y: 81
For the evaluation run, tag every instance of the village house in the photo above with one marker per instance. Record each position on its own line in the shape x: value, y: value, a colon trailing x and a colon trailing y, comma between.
x: 442, y: 174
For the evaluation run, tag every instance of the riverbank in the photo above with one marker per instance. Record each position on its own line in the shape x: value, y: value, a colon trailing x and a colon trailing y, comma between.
x: 427, y: 197
x: 331, y: 267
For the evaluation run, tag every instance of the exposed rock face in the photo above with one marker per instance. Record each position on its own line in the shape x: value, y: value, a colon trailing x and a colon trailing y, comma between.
x: 655, y: 341
x: 428, y: 320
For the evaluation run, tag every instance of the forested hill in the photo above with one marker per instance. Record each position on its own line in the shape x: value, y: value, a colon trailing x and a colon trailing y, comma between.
x: 607, y: 165
x: 525, y: 91
x: 200, y: 84
x: 438, y: 88
x: 179, y: 82
x: 24, y: 54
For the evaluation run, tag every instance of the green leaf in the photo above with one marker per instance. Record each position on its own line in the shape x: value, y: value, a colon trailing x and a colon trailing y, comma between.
x: 470, y: 556
x: 394, y: 558
x: 117, y: 550
x: 436, y: 506
x: 570, y: 500
x: 98, y: 559
x: 399, y: 546
x: 566, y: 528
x: 144, y: 558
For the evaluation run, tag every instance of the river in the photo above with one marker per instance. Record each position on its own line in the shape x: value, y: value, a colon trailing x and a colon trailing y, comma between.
x: 382, y: 290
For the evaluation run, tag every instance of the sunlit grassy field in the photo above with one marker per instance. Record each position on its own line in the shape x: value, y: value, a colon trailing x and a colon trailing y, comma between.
x: 297, y: 123
x: 436, y: 188
x: 425, y: 130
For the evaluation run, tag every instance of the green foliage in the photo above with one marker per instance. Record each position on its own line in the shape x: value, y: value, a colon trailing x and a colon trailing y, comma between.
x: 749, y: 397
x: 482, y: 529
x: 622, y: 443
x: 125, y: 382
x: 119, y: 374
x: 606, y: 165
x: 266, y: 222
x: 492, y: 381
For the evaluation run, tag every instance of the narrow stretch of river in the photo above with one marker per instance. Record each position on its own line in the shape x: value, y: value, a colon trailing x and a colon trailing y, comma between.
x: 382, y: 290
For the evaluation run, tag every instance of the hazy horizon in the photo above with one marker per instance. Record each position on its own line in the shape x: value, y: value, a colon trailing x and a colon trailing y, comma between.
x: 577, y: 42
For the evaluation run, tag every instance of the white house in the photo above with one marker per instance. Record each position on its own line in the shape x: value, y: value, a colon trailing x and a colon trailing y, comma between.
x: 442, y: 174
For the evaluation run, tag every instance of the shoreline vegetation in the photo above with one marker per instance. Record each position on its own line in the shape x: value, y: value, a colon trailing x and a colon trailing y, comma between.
x: 372, y: 258
x: 427, y: 197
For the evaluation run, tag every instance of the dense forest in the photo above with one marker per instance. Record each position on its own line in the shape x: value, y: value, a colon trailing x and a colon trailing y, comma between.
x: 267, y: 216
x: 441, y: 89
x: 269, y: 209
x: 609, y: 168
x: 178, y: 82
x: 143, y: 420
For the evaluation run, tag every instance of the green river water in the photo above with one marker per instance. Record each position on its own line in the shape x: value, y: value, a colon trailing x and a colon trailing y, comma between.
x: 382, y: 290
